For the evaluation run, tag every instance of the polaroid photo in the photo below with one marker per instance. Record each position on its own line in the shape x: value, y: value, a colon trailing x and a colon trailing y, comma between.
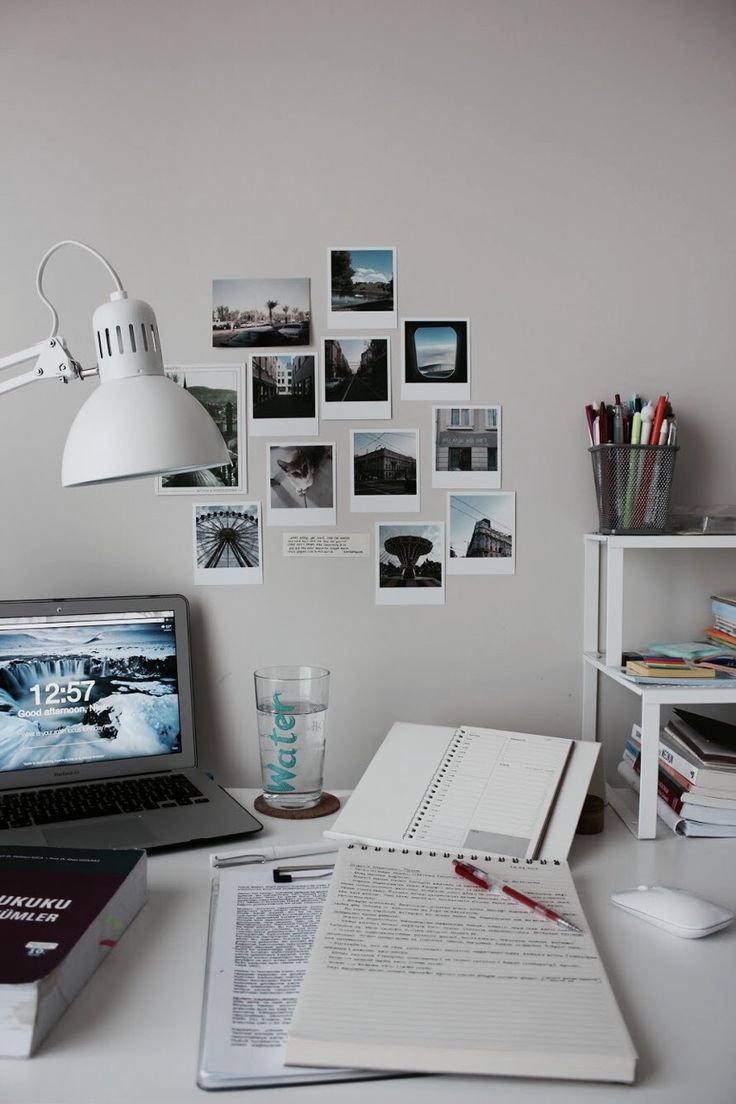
x: 384, y: 471
x: 481, y: 533
x: 361, y: 289
x: 228, y: 546
x: 218, y: 388
x: 435, y: 358
x: 410, y: 563
x: 466, y: 447
x: 260, y: 314
x: 282, y: 394
x: 356, y: 378
x: 301, y: 488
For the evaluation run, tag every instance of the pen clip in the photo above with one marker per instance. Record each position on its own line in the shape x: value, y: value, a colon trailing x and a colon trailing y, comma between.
x: 220, y: 861
x: 284, y: 874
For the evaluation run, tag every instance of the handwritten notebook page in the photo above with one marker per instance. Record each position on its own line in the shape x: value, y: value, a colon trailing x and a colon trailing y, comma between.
x: 414, y: 969
x: 492, y: 791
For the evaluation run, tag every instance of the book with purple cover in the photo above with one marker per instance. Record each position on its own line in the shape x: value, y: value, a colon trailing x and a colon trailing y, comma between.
x: 61, y: 912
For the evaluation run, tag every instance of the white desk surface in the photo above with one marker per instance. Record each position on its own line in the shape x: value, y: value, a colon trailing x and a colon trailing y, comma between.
x: 131, y: 1036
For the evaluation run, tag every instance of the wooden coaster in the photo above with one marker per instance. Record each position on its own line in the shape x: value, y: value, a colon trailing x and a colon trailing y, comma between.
x: 327, y: 804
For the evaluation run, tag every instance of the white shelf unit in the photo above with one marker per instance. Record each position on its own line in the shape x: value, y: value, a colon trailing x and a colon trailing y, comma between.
x: 641, y: 819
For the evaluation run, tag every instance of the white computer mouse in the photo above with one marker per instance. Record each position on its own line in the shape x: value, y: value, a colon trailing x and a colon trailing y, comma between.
x: 676, y: 910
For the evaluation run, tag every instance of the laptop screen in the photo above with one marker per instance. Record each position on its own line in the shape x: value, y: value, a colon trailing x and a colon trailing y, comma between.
x: 91, y: 688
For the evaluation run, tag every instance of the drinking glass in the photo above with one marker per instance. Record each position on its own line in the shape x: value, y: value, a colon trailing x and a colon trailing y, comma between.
x: 291, y: 703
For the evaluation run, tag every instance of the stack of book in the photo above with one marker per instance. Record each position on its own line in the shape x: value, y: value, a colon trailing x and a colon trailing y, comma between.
x: 696, y: 783
x: 680, y: 664
x: 666, y: 669
x: 723, y: 631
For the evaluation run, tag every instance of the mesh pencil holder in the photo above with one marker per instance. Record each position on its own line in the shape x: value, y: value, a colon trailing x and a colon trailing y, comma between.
x: 633, y: 485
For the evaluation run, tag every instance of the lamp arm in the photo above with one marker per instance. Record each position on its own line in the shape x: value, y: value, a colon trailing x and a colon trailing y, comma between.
x: 120, y: 292
x: 53, y: 362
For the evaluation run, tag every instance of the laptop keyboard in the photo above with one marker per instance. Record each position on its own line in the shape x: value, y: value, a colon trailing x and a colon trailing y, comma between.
x: 84, y: 800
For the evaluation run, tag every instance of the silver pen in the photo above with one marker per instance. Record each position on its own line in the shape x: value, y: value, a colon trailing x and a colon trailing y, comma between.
x: 268, y: 854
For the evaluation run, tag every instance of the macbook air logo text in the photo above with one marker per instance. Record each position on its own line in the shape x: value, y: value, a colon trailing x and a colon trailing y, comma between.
x: 65, y: 773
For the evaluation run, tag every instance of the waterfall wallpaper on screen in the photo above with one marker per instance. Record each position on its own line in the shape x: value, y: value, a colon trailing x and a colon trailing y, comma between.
x: 79, y: 692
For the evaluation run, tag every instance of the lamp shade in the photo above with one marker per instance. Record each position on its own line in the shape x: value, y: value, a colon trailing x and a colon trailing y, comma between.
x: 141, y: 425
x: 138, y: 422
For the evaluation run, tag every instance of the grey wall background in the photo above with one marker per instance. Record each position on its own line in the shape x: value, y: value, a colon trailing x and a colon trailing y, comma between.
x: 562, y: 172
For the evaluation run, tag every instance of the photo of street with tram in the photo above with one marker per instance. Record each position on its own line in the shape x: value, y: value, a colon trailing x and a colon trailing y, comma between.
x: 356, y: 369
x: 260, y: 313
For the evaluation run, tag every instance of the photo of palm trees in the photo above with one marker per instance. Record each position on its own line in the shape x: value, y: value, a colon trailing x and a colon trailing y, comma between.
x: 260, y: 313
x: 356, y: 378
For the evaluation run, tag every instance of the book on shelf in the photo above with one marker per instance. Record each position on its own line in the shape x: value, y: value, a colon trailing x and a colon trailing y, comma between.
x: 723, y: 610
x: 413, y: 969
x: 669, y: 760
x: 680, y: 825
x: 727, y: 600
x: 720, y: 680
x: 720, y: 781
x: 688, y: 649
x: 724, y: 663
x: 61, y: 912
x: 651, y: 659
x: 720, y: 637
x: 675, y: 795
x: 666, y: 669
x: 712, y: 740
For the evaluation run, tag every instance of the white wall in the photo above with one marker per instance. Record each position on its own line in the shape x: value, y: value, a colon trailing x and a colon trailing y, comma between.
x: 561, y: 172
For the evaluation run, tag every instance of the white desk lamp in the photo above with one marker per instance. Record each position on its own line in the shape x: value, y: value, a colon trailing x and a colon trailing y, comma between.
x: 138, y: 422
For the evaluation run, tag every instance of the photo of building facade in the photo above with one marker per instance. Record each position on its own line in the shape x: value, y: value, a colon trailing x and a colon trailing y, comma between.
x: 385, y: 463
x: 487, y: 540
x: 466, y: 439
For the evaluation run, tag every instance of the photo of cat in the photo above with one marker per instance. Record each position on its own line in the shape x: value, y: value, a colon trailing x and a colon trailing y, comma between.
x: 301, y: 484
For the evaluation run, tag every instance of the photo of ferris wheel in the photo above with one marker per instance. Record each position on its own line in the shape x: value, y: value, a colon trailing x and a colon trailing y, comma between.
x: 227, y: 543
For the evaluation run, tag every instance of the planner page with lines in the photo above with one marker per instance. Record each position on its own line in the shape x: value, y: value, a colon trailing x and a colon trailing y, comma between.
x: 415, y: 969
x: 492, y: 791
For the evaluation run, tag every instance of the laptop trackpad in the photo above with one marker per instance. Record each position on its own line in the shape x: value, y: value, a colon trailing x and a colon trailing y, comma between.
x: 120, y: 832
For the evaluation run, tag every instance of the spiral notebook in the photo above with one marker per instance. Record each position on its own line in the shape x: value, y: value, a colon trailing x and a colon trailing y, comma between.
x: 507, y: 793
x: 413, y: 968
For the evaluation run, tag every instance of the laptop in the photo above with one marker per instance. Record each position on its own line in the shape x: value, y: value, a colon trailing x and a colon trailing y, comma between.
x: 97, y: 739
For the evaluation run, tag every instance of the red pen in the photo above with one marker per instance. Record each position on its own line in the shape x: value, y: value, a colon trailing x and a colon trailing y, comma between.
x: 658, y: 419
x: 479, y: 877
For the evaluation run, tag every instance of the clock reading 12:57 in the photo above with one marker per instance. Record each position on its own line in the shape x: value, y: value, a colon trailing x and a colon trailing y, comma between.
x: 56, y: 693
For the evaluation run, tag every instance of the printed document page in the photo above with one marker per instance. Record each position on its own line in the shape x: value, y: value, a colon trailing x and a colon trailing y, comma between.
x: 414, y: 968
x: 493, y: 791
x: 260, y: 937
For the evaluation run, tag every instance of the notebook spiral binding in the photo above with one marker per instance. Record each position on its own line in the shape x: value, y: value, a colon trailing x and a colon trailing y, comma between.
x: 473, y: 856
x: 436, y: 781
